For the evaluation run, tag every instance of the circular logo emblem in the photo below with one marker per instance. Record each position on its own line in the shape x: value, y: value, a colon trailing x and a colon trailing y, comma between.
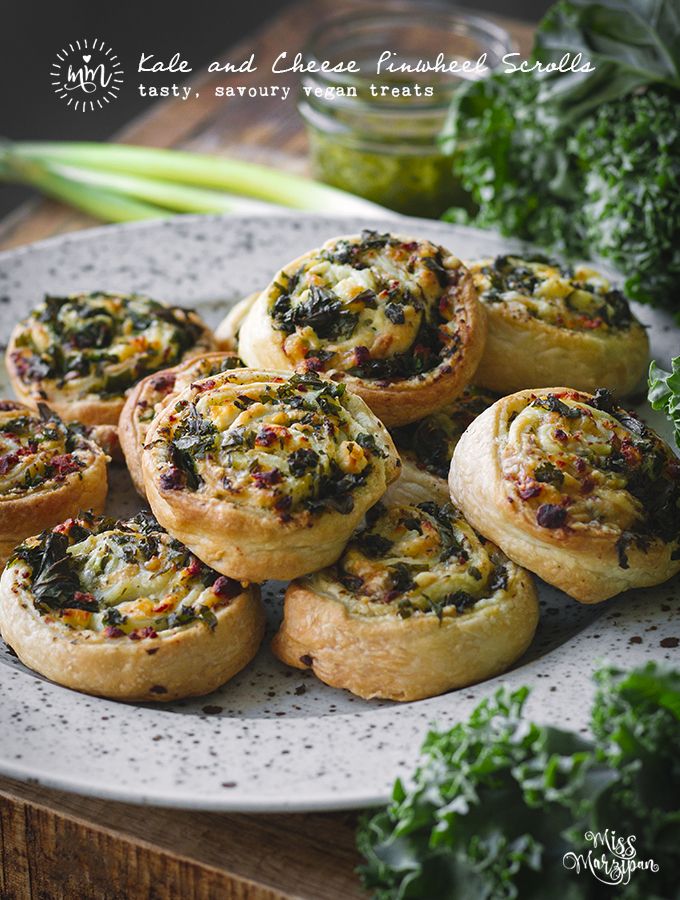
x: 86, y: 75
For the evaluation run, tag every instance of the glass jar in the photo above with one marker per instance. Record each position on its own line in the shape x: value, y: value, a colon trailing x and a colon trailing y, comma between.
x: 377, y: 134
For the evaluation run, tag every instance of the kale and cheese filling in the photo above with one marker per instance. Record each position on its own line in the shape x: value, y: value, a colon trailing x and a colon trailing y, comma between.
x: 432, y: 440
x: 577, y: 461
x: 119, y: 580
x: 375, y: 308
x: 413, y: 560
x: 101, y: 343
x: 290, y: 445
x: 576, y: 298
x: 38, y: 453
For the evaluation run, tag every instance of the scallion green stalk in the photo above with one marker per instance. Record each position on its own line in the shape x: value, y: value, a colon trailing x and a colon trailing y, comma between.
x: 169, y: 195
x: 200, y: 170
x: 100, y: 202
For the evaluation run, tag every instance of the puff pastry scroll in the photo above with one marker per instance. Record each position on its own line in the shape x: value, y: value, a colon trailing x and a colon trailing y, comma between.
x: 83, y: 352
x: 417, y: 604
x: 395, y: 319
x: 149, y: 396
x: 573, y: 487
x: 48, y: 470
x: 264, y: 474
x: 547, y: 322
x: 123, y: 610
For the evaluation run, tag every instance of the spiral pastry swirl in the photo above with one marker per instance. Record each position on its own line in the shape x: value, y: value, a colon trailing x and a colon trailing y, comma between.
x: 121, y: 609
x: 546, y: 320
x: 396, y: 319
x: 575, y: 488
x: 244, y: 463
x: 47, y: 470
x: 417, y: 604
x: 81, y: 353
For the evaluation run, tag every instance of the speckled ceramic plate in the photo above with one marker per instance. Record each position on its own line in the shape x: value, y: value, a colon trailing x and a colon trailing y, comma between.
x: 274, y: 738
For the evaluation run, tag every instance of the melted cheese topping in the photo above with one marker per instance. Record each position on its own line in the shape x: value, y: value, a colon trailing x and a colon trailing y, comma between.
x: 101, y: 344
x: 433, y: 439
x: 285, y: 444
x: 574, y: 465
x: 125, y: 579
x: 579, y: 299
x: 39, y: 455
x: 374, y: 307
x: 415, y: 560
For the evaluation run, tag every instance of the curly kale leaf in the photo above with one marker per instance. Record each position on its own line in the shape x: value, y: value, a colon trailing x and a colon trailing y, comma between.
x: 520, y: 178
x: 664, y: 393
x: 629, y: 153
x: 628, y: 43
x: 497, y: 801
x: 585, y: 163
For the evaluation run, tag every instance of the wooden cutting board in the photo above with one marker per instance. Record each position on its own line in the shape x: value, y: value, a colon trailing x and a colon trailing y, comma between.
x: 56, y: 845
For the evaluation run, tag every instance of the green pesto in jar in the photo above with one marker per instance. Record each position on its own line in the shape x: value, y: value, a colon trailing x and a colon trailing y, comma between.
x: 416, y: 182
x: 374, y: 130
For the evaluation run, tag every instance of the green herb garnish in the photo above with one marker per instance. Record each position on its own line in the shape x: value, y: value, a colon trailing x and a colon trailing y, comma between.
x: 497, y: 801
x: 588, y: 163
x: 664, y: 393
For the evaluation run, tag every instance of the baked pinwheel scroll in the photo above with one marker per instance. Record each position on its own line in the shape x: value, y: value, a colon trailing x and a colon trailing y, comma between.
x: 417, y: 604
x: 48, y: 470
x: 81, y: 353
x: 266, y: 475
x: 395, y: 319
x: 121, y: 609
x: 573, y: 487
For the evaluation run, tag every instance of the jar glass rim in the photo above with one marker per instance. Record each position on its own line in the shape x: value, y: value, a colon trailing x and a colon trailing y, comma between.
x: 340, y: 28
x: 492, y: 36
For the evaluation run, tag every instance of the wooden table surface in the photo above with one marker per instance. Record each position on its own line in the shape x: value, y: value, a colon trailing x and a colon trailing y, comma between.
x: 56, y: 845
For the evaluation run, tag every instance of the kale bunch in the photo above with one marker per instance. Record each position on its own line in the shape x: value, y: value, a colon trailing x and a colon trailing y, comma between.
x: 498, y: 801
x: 664, y: 393
x: 586, y: 163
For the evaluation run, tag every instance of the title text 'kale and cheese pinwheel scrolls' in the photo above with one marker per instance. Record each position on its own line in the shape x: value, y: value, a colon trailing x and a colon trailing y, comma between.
x: 264, y: 474
x: 549, y: 324
x: 48, y: 470
x: 123, y: 610
x: 83, y: 352
x: 417, y: 604
x: 395, y: 319
x: 573, y: 487
x: 148, y: 397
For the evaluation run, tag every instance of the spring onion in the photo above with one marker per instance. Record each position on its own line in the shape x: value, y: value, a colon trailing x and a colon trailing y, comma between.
x: 116, y: 182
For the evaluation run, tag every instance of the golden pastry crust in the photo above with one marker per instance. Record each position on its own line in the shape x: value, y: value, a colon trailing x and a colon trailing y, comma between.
x: 48, y: 470
x: 546, y: 321
x: 264, y: 474
x: 574, y: 488
x: 227, y: 332
x: 417, y: 605
x: 395, y: 319
x: 151, y: 394
x: 82, y: 353
x: 129, y: 613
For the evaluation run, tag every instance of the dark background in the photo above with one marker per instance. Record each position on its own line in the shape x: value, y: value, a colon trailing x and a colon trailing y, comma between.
x: 33, y: 31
